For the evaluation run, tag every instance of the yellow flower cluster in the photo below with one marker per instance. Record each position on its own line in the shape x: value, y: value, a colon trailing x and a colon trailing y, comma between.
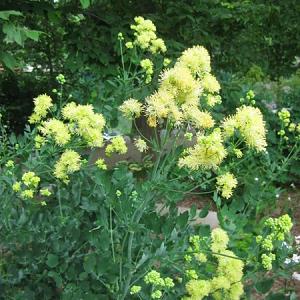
x: 141, y: 145
x: 145, y: 36
x: 147, y: 66
x: 42, y: 105
x: 68, y: 163
x: 158, y: 283
x: 131, y: 108
x: 208, y: 152
x: 57, y: 130
x: 31, y: 182
x: 226, y: 183
x: 180, y: 88
x: 117, y: 145
x: 249, y: 121
x: 100, y: 163
x: 278, y: 228
x: 85, y: 123
x: 227, y: 282
x: 197, y: 59
x: 285, y: 118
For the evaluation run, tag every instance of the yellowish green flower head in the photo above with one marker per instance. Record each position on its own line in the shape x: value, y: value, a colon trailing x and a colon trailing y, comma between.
x: 267, y: 259
x: 85, y: 123
x: 154, y: 278
x: 208, y: 153
x: 45, y: 192
x: 16, y: 186
x: 42, y: 105
x: 197, y: 59
x: 57, y: 130
x: 200, y: 257
x: 284, y: 115
x: 131, y: 108
x: 210, y: 84
x: 199, y: 119
x: 219, y: 240
x: 129, y: 45
x: 238, y: 153
x: 156, y: 294
x: 166, y: 62
x: 226, y: 183
x: 69, y: 162
x: 39, y: 141
x: 249, y: 121
x: 169, y: 283
x: 228, y: 125
x: 279, y: 226
x: 236, y: 291
x: 220, y: 283
x: 198, y: 289
x: 30, y: 179
x: 100, y: 163
x: 158, y: 106
x: 230, y: 266
x: 117, y: 145
x: 60, y: 78
x: 27, y: 194
x: 145, y: 36
x: 252, y: 127
x: 147, y: 66
x: 141, y: 145
x: 135, y: 289
x: 191, y: 274
x: 179, y: 82
x: 10, y: 164
x: 212, y: 100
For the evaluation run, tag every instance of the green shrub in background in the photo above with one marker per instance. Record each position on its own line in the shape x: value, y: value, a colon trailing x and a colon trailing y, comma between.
x: 78, y: 40
x: 76, y: 224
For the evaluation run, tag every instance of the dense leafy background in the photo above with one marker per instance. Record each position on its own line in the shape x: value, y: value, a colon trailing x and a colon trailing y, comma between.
x: 78, y: 39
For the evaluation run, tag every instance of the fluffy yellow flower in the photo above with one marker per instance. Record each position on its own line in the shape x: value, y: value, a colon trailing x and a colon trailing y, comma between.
x: 68, y: 163
x: 158, y: 104
x: 198, y: 289
x: 219, y: 239
x: 197, y: 59
x: 42, y: 104
x: 212, y: 100
x: 220, y: 283
x: 181, y: 84
x: 199, y: 119
x: 226, y: 183
x: 210, y: 84
x: 27, y: 194
x: 157, y: 45
x: 208, y: 153
x: 147, y: 66
x: 45, y: 192
x: 236, y: 291
x: 85, y: 122
x: 228, y: 125
x: 145, y: 36
x: 230, y: 266
x: 117, y: 145
x: 30, y: 179
x: 131, y: 108
x: 100, y: 163
x: 141, y: 145
x: 16, y: 186
x: 252, y: 127
x: 57, y: 130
